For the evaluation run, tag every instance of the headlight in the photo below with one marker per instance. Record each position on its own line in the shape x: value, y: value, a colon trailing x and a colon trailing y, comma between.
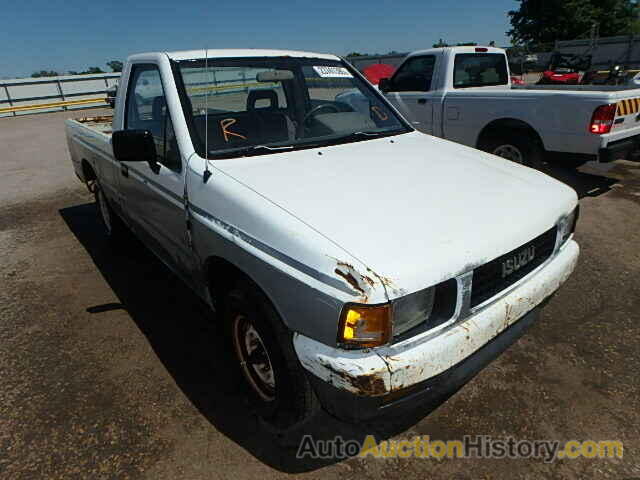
x: 367, y: 326
x: 412, y: 310
x: 567, y: 225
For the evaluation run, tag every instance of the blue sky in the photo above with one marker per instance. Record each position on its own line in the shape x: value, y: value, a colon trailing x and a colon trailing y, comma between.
x: 73, y: 35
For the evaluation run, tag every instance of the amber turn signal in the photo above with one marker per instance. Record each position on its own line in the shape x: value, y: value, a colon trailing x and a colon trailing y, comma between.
x: 364, y: 326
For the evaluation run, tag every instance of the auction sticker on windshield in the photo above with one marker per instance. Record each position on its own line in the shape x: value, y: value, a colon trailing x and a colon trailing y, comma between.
x: 332, y: 72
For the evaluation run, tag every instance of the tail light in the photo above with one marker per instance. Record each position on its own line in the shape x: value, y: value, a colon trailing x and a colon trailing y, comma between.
x: 602, y: 119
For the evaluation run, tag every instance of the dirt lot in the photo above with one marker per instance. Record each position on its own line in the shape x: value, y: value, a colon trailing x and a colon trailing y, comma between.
x: 110, y: 368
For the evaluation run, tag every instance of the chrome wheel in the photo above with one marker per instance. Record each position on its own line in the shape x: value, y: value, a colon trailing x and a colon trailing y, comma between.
x: 254, y: 358
x: 509, y: 152
x: 104, y: 209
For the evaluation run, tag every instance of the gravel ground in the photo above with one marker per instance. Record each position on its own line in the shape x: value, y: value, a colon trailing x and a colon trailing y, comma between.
x: 111, y: 368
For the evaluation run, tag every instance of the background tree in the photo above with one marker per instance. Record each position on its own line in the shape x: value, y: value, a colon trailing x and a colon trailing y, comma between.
x: 545, y: 21
x: 115, y: 65
x: 93, y: 70
x: 441, y: 43
x: 44, y: 73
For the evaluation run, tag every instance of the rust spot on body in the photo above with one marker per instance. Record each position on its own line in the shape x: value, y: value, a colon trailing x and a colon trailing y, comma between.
x: 368, y: 384
x: 350, y: 268
x: 350, y: 279
x: 361, y: 283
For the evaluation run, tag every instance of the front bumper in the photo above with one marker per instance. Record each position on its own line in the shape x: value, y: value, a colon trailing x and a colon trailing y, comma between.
x: 357, y: 385
x: 625, y: 149
x: 428, y: 394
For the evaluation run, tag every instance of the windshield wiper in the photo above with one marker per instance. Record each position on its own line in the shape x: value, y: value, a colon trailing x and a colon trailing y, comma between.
x: 247, y: 151
x: 361, y: 135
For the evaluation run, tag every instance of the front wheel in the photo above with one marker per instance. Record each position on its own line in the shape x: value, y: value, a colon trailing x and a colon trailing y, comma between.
x: 263, y: 346
x: 518, y: 148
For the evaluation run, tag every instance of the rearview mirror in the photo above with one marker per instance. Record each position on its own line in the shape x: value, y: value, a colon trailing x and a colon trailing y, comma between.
x: 384, y: 85
x: 274, y: 76
x: 134, y: 146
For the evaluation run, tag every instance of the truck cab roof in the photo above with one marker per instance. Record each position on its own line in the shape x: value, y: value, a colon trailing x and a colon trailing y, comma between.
x: 230, y: 53
x: 454, y: 50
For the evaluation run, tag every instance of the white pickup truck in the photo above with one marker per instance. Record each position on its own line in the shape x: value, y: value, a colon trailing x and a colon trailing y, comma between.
x: 464, y: 94
x: 354, y: 263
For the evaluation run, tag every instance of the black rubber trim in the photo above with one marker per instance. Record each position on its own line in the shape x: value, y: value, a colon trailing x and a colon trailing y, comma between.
x: 623, y: 149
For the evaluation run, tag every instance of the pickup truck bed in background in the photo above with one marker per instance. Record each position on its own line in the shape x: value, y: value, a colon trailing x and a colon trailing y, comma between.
x: 464, y: 94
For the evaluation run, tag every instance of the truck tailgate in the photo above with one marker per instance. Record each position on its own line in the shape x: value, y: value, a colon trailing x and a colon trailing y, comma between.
x: 627, y: 114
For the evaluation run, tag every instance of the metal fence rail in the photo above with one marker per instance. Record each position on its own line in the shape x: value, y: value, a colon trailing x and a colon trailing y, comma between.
x: 69, y: 92
x: 624, y: 49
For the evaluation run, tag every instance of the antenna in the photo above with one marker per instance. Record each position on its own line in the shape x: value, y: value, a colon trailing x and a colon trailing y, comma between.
x: 207, y: 172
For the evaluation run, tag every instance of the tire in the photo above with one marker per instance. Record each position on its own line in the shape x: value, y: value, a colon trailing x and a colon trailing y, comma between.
x: 277, y: 385
x: 517, y: 147
x: 571, y: 163
x: 115, y: 229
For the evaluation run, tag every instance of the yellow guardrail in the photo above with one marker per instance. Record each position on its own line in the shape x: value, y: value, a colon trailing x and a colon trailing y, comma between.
x: 245, y: 85
x: 229, y: 87
x: 67, y: 103
x: 625, y: 71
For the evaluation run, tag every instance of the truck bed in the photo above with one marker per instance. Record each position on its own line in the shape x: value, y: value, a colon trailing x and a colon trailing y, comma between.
x: 101, y: 124
x: 89, y: 141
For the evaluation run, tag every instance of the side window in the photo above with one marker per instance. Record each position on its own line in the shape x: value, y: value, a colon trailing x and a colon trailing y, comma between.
x: 414, y: 75
x: 146, y: 109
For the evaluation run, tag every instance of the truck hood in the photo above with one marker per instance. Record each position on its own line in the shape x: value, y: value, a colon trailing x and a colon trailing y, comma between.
x: 415, y: 209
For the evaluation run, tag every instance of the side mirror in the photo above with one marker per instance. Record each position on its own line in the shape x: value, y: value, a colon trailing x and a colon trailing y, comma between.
x: 384, y: 85
x: 134, y: 146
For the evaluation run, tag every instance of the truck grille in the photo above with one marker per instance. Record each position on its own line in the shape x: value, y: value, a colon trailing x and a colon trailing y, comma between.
x: 491, y: 278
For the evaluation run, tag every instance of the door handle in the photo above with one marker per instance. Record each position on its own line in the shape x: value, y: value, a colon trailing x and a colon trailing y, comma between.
x: 124, y: 170
x: 422, y: 101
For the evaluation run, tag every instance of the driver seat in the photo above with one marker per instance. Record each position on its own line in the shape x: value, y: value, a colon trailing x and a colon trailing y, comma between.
x: 255, y: 95
x: 271, y: 115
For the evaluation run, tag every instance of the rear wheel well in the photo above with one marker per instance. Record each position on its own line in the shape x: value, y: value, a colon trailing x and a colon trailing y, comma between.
x: 89, y: 175
x: 87, y: 171
x: 506, y: 127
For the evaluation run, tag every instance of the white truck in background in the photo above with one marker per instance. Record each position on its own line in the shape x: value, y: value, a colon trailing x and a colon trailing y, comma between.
x: 464, y: 94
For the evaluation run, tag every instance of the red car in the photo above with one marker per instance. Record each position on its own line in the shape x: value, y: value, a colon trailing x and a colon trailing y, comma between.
x: 375, y: 72
x: 559, y: 77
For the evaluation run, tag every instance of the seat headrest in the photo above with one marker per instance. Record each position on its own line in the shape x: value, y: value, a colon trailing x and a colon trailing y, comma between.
x: 255, y: 95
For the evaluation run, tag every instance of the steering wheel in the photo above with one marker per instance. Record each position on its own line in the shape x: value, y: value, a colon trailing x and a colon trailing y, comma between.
x: 315, y: 110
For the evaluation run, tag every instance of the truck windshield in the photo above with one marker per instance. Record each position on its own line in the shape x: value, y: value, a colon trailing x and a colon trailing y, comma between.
x: 257, y: 106
x: 480, y: 70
